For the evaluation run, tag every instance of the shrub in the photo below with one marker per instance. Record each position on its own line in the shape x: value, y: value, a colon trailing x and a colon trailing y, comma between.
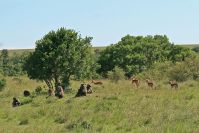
x: 60, y: 120
x: 38, y: 90
x: 26, y: 100
x: 159, y: 71
x: 23, y: 122
x: 185, y: 70
x: 116, y: 75
x: 2, y: 84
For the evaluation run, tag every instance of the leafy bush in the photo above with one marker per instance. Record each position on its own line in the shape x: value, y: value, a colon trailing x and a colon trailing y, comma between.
x: 60, y: 120
x: 2, y: 84
x: 26, y: 100
x: 195, y: 49
x: 185, y: 70
x: 159, y: 71
x: 23, y: 121
x: 38, y: 90
x: 116, y: 75
x: 134, y: 54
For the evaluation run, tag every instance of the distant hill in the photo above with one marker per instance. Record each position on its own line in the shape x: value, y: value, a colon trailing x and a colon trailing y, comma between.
x: 189, y: 45
x: 21, y: 51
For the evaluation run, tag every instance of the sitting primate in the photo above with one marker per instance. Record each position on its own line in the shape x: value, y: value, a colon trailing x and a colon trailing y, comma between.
x: 81, y: 91
x: 26, y: 93
x: 15, y: 102
x: 51, y: 92
x: 89, y: 89
x: 59, y: 92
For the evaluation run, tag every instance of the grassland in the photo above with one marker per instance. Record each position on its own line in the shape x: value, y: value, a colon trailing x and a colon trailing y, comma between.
x: 114, y: 108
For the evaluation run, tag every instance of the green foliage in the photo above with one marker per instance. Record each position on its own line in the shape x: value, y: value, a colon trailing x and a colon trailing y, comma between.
x: 158, y: 71
x: 26, y: 100
x: 23, y: 121
x: 4, y: 61
x: 179, y: 71
x: 12, y: 65
x: 58, y: 55
x: 38, y: 90
x: 185, y: 70
x: 116, y: 75
x: 195, y: 49
x: 2, y: 84
x: 136, y: 54
x: 60, y: 120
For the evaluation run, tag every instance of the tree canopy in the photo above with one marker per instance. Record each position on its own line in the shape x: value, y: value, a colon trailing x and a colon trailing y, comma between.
x: 58, y: 55
x: 137, y: 53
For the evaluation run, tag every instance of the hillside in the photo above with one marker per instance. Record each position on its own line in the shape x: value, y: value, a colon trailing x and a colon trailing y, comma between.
x: 20, y: 51
x: 114, y: 108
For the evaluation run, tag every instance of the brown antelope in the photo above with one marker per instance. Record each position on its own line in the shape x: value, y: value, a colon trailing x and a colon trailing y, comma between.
x: 150, y: 83
x: 97, y: 82
x: 173, y: 84
x: 135, y: 81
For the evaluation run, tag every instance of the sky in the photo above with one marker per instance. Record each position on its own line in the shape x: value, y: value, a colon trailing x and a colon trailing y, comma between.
x: 22, y: 22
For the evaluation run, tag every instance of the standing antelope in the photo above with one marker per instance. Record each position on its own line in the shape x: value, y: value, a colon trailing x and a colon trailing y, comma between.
x: 97, y: 82
x: 150, y: 83
x: 173, y: 84
x: 135, y: 81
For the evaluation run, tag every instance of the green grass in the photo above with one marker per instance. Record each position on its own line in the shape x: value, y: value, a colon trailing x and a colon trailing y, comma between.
x: 114, y: 108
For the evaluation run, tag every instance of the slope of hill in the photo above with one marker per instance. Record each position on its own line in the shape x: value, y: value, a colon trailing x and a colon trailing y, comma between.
x: 20, y: 51
x: 113, y: 108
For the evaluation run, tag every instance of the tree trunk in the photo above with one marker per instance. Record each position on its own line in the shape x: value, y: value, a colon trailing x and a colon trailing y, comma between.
x: 49, y: 84
x: 66, y: 82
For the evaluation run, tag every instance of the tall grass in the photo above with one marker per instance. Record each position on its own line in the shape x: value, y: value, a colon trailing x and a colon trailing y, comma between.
x: 113, y: 108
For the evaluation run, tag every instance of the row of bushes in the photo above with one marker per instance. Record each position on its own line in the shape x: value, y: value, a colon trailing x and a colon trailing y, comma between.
x: 179, y: 71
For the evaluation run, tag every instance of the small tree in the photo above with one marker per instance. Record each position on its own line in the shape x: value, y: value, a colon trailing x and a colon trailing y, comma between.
x: 116, y: 75
x: 58, y: 55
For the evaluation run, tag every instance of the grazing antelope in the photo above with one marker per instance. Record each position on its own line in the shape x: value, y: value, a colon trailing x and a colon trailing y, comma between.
x: 135, y: 81
x: 150, y: 83
x: 97, y: 82
x: 173, y: 84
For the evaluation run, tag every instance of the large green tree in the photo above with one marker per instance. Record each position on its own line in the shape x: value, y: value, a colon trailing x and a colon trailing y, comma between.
x: 137, y: 53
x: 58, y: 55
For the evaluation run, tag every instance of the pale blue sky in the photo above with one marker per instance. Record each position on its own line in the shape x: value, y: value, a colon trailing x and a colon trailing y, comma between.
x: 22, y: 22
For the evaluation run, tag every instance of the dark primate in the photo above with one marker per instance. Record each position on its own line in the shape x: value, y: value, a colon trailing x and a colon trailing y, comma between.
x: 26, y: 93
x: 89, y: 89
x: 15, y: 102
x: 59, y: 92
x: 81, y: 91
